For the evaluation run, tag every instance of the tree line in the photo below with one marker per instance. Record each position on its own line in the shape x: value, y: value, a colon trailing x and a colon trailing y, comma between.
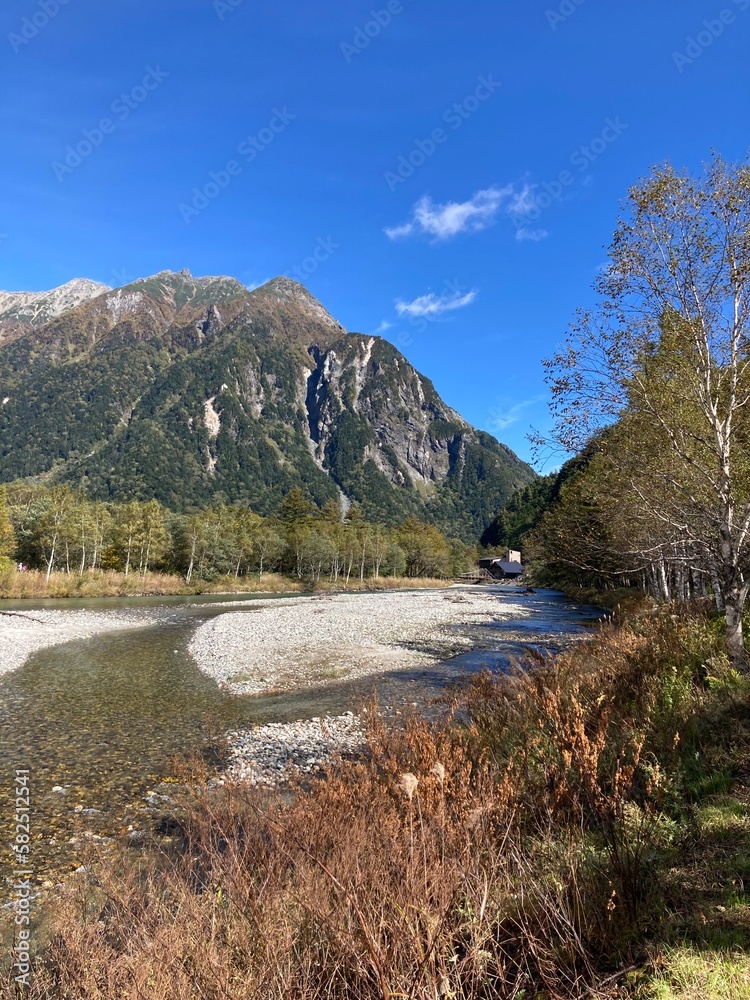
x: 59, y: 529
x: 652, y: 392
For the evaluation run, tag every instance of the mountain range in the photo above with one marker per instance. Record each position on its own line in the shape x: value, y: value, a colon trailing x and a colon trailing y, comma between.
x: 199, y: 390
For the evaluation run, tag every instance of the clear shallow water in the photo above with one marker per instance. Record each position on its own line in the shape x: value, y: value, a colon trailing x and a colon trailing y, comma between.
x: 104, y: 718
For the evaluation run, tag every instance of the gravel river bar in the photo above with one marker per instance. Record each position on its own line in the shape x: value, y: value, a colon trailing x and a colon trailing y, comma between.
x: 302, y: 642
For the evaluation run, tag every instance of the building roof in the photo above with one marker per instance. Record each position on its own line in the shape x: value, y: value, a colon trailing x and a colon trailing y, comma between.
x: 505, y: 566
x: 509, y: 567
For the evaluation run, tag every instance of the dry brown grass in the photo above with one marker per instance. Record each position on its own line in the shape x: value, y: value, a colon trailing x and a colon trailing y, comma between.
x: 351, y: 890
x: 514, y: 850
x: 33, y: 585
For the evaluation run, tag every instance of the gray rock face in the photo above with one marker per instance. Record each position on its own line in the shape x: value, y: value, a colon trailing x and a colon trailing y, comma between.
x: 363, y: 377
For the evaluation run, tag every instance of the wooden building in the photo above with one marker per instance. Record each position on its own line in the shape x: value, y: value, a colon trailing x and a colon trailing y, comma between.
x: 503, y: 569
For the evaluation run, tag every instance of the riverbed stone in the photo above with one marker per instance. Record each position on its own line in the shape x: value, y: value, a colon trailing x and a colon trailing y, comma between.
x: 314, y: 642
x: 274, y: 753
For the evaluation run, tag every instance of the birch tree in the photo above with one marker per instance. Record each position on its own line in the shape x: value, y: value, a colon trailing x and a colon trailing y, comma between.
x: 245, y: 527
x: 269, y: 546
x: 667, y: 347
x: 154, y: 537
x: 59, y: 502
x: 128, y: 520
x: 195, y: 538
x: 7, y: 534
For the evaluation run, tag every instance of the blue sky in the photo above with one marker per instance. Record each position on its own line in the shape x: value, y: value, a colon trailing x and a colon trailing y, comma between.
x: 446, y: 174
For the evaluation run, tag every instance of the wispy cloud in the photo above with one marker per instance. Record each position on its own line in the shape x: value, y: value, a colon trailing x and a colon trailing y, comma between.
x: 248, y: 280
x: 522, y: 200
x: 503, y: 417
x: 524, y: 233
x: 521, y: 207
x: 517, y: 201
x: 383, y: 328
x: 432, y: 305
x: 445, y: 221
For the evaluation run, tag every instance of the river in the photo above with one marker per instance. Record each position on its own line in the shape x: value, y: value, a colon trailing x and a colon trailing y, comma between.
x: 99, y: 722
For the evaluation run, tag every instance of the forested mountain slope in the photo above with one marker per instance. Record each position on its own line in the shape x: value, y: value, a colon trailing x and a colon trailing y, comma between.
x: 196, y: 390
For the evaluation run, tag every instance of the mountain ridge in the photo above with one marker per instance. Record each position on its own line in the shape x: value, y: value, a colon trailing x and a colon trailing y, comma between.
x: 200, y: 390
x: 23, y: 310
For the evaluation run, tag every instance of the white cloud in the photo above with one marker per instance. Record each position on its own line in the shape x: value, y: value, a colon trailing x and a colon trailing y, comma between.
x: 252, y: 285
x: 431, y: 305
x: 522, y: 208
x: 398, y: 232
x: 516, y: 201
x: 535, y: 235
x: 384, y: 326
x: 454, y: 217
x: 501, y: 418
x: 522, y: 201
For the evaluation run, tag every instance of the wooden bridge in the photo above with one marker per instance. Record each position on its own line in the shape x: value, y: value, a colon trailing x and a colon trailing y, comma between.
x: 478, y: 576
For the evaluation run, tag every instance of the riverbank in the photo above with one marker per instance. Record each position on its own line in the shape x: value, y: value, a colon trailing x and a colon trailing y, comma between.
x: 585, y: 832
x: 33, y: 585
x: 312, y: 641
x: 22, y: 634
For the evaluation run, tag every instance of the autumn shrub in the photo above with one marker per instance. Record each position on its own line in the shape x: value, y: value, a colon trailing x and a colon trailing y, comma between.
x: 377, y: 883
x: 516, y: 847
x: 600, y: 738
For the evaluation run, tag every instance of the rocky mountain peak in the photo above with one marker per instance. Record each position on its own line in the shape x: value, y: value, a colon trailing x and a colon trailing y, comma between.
x: 184, y: 283
x: 292, y: 291
x: 36, y: 308
x: 167, y: 291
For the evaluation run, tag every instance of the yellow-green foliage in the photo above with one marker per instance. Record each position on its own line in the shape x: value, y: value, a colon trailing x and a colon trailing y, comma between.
x: 59, y: 529
x: 7, y: 535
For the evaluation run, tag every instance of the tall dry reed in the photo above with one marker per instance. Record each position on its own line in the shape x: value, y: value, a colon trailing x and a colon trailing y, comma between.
x: 506, y: 852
